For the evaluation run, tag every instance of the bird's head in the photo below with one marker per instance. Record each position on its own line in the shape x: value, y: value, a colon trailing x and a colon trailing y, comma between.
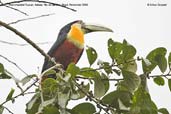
x: 76, y: 30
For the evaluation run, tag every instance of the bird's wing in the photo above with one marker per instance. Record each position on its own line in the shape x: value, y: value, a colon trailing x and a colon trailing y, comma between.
x: 58, y: 42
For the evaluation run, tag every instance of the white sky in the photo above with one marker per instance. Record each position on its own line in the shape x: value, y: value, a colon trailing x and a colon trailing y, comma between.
x: 145, y: 27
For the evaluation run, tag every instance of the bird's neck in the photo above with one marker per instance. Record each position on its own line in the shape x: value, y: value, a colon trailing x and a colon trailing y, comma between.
x: 76, y: 36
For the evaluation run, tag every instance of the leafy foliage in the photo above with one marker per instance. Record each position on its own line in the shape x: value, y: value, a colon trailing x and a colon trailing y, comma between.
x: 84, y: 108
x: 9, y: 97
x: 112, y: 87
x: 3, y: 73
x: 159, y: 81
x: 163, y: 111
x: 156, y: 58
x: 91, y: 55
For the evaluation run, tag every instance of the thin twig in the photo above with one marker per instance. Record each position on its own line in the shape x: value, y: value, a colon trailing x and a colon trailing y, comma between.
x: 80, y: 77
x: 8, y: 110
x: 39, y: 1
x: 30, y: 93
x: 95, y: 100
x: 164, y: 75
x: 19, y: 44
x: 21, y: 94
x: 107, y: 67
x: 19, y: 87
x: 13, y: 64
x: 25, y: 19
x: 24, y: 37
x: 15, y: 9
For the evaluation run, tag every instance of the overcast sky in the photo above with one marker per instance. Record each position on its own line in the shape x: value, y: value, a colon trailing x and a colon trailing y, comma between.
x: 145, y: 27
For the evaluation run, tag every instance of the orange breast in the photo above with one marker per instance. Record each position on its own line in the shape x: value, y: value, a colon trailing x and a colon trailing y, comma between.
x: 66, y: 53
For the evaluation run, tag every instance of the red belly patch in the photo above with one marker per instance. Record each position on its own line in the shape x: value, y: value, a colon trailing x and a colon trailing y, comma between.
x: 67, y: 53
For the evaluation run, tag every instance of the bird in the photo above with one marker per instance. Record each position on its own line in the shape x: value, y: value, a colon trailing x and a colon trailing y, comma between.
x: 69, y: 45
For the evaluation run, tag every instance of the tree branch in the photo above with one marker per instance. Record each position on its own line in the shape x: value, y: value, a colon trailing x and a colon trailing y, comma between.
x: 110, y: 66
x: 80, y: 77
x: 18, y: 44
x: 21, y: 94
x: 8, y: 110
x: 13, y: 64
x: 15, y: 9
x: 24, y: 37
x: 163, y: 75
x: 25, y: 19
x: 39, y: 1
x: 95, y: 100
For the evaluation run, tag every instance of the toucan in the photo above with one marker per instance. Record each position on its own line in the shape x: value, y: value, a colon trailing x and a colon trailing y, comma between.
x: 69, y: 45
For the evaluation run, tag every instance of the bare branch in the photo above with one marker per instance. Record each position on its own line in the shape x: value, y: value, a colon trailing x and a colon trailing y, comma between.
x: 39, y: 1
x: 92, y: 98
x: 15, y: 9
x: 162, y: 75
x: 13, y: 64
x: 24, y: 37
x: 8, y: 110
x: 25, y: 19
x: 79, y: 77
x: 18, y: 44
x: 110, y: 66
x: 19, y: 87
x: 21, y: 94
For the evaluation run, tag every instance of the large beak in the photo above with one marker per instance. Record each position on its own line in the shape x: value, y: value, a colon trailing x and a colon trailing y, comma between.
x: 88, y: 28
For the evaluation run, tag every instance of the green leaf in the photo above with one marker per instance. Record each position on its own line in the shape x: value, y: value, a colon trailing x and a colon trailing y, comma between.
x: 75, y: 95
x: 84, y: 108
x: 105, y: 81
x: 114, y: 49
x: 169, y: 58
x: 142, y: 103
x: 50, y: 110
x: 85, y: 88
x: 27, y: 79
x: 9, y: 97
x: 1, y: 109
x: 113, y: 98
x: 130, y: 83
x: 99, y: 87
x: 89, y: 72
x: 161, y: 62
x: 107, y: 67
x: 33, y: 105
x: 45, y: 104
x: 118, y: 72
x: 4, y: 76
x: 128, y: 50
x: 1, y: 68
x: 130, y: 65
x: 72, y: 69
x: 156, y: 57
x: 49, y: 88
x: 157, y: 51
x: 63, y: 98
x: 159, y: 81
x: 144, y: 82
x: 50, y: 72
x: 91, y: 55
x: 163, y: 111
x: 3, y: 73
x: 169, y: 84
